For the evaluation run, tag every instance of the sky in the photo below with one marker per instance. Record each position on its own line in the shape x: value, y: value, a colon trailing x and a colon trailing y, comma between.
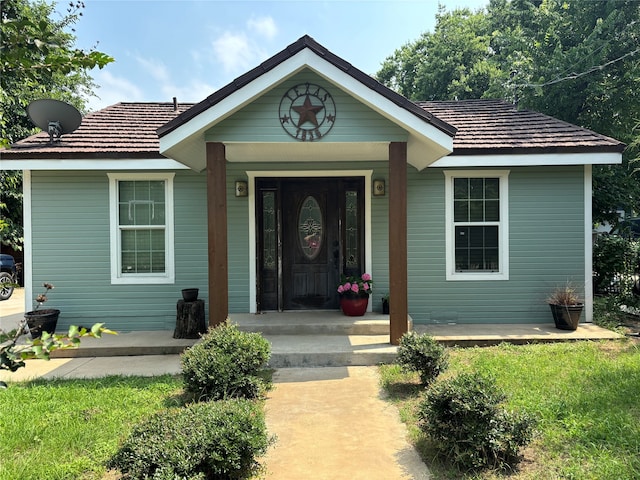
x: 189, y: 49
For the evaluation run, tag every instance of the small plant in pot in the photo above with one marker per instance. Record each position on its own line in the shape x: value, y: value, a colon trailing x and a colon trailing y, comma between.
x: 566, y: 307
x: 385, y: 304
x: 42, y: 320
x: 354, y: 294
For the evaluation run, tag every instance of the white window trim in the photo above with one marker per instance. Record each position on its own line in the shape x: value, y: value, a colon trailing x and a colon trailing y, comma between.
x: 503, y: 238
x: 117, y: 277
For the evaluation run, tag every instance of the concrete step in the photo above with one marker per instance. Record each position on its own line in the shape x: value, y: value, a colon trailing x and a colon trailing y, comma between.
x: 312, y: 323
x: 286, y: 350
x: 330, y: 350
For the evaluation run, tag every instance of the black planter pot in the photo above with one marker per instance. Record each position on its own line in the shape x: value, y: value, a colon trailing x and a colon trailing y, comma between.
x: 566, y: 317
x: 190, y: 294
x: 385, y: 306
x: 42, y: 321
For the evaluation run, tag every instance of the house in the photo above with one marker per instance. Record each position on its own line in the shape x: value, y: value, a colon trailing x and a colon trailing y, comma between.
x: 301, y: 170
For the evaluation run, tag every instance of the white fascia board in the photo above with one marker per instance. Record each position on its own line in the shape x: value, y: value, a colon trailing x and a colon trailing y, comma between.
x: 93, y: 164
x: 194, y: 129
x: 379, y: 103
x: 230, y: 104
x: 528, y: 160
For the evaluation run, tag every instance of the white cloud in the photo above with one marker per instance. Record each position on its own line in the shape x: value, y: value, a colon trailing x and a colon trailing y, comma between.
x: 264, y: 26
x: 156, y: 68
x: 233, y: 51
x: 112, y: 89
x: 194, y: 92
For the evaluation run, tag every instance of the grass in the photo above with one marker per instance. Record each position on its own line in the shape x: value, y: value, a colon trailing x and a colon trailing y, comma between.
x: 67, y: 429
x: 585, y: 395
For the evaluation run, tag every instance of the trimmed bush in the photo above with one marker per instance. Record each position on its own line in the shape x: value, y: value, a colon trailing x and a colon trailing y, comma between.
x: 422, y: 354
x: 204, y: 441
x: 468, y: 425
x: 226, y: 364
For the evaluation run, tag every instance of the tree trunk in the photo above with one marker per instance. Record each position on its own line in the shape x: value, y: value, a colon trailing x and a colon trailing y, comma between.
x: 190, y: 319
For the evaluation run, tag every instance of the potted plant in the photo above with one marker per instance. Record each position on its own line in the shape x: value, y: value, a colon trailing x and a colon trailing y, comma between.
x: 385, y: 304
x: 354, y: 294
x: 42, y: 320
x: 566, y: 307
x: 190, y: 294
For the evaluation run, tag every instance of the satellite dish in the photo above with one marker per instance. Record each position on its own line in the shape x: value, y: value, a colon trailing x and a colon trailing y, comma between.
x: 54, y: 117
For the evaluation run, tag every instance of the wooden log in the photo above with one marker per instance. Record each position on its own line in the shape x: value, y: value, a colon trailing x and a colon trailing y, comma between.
x: 190, y: 319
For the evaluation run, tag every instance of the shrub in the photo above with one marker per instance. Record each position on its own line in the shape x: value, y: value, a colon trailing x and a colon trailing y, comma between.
x: 468, y: 425
x: 421, y: 353
x: 615, y: 260
x: 201, y: 441
x: 226, y: 364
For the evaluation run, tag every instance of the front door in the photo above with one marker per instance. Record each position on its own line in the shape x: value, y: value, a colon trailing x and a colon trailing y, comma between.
x: 310, y: 232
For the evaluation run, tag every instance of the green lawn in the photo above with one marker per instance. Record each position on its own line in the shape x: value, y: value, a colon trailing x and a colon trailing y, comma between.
x: 586, y: 396
x: 67, y: 429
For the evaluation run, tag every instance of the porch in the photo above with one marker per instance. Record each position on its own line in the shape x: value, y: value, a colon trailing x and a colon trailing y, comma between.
x: 312, y: 339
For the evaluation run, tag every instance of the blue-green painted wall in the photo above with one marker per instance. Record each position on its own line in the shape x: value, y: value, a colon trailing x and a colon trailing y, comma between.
x: 71, y: 248
x: 259, y: 121
x: 546, y: 239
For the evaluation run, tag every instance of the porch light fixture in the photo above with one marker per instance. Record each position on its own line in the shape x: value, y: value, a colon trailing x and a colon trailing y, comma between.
x: 241, y: 188
x: 378, y: 188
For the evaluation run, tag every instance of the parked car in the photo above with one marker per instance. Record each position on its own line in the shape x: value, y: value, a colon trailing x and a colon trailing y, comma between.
x: 8, y: 275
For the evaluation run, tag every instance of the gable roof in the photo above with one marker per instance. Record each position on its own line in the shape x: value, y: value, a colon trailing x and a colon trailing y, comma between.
x: 428, y: 138
x: 305, y: 42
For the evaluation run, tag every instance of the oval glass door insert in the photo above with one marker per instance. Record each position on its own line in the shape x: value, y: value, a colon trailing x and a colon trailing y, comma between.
x: 310, y: 227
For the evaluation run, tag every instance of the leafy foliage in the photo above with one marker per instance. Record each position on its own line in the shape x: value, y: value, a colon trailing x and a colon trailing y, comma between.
x: 11, y: 231
x: 39, y: 60
x: 615, y: 261
x: 469, y: 426
x: 226, y: 364
x: 422, y: 354
x: 571, y: 59
x: 201, y: 441
x: 13, y: 354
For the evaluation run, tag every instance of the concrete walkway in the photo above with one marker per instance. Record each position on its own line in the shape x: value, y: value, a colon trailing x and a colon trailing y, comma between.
x: 333, y: 424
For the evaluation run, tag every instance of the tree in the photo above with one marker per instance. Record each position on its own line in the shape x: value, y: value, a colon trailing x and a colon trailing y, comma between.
x: 574, y: 60
x: 38, y: 59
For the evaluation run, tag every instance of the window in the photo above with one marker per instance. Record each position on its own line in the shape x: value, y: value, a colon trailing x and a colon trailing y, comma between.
x: 477, y: 238
x: 141, y: 211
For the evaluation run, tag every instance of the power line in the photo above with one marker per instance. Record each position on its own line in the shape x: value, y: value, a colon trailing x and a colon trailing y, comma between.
x: 573, y: 76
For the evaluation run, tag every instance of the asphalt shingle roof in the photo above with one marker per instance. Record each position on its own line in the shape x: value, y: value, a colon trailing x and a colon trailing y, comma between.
x: 495, y: 126
x: 128, y: 130
x: 123, y: 130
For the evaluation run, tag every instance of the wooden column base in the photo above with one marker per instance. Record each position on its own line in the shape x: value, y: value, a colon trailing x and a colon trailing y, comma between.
x: 190, y: 319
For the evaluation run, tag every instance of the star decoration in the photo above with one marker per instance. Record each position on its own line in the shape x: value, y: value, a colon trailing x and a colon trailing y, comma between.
x: 307, y: 112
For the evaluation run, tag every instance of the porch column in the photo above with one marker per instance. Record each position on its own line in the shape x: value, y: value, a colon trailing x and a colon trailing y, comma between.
x: 217, y: 233
x: 398, y: 303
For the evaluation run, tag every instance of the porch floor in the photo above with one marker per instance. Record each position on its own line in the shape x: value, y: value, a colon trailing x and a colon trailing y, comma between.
x: 311, y: 339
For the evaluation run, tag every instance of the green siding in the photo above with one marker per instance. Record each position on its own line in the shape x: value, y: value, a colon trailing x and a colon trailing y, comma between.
x: 259, y: 121
x: 546, y: 230
x: 71, y: 247
x: 72, y: 251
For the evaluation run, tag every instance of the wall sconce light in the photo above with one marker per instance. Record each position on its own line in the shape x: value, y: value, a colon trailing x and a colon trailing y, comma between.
x: 378, y: 188
x: 241, y: 188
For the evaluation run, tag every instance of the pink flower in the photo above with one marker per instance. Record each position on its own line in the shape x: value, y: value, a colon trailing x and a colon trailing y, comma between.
x: 346, y: 286
x: 340, y: 289
x: 355, y: 288
x: 366, y: 277
x: 365, y: 286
